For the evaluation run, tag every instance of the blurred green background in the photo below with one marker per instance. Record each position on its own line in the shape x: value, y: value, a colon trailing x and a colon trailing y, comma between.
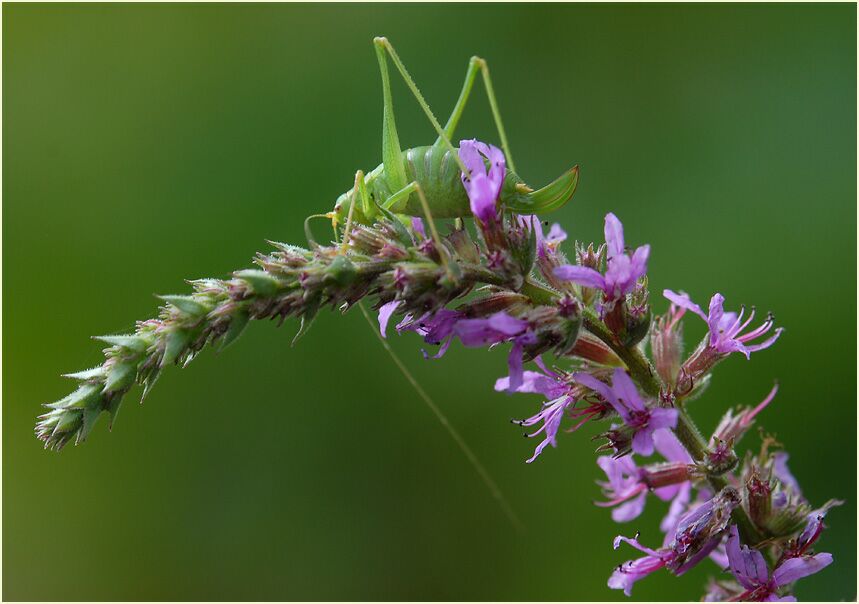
x: 144, y: 144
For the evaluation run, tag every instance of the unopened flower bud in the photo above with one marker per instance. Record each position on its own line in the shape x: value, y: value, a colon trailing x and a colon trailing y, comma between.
x: 522, y: 242
x: 629, y: 321
x: 587, y: 257
x: 666, y: 342
x: 663, y: 475
x: 619, y: 441
x: 593, y: 349
x: 510, y: 302
x: 464, y: 246
x: 569, y: 327
x: 590, y: 258
x: 720, y: 458
x: 637, y: 319
x: 759, y: 498
x: 341, y: 271
x: 551, y: 331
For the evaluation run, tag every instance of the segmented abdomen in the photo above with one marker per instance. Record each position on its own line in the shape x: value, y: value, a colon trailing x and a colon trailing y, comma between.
x: 436, y: 171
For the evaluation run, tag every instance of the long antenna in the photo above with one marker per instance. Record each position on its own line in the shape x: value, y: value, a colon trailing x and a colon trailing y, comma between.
x: 457, y: 438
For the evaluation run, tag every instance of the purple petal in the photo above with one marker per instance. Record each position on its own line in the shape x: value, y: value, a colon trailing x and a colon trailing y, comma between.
x: 676, y: 509
x: 514, y: 362
x: 498, y: 166
x: 613, y: 236
x: 794, y: 569
x: 504, y: 323
x: 556, y: 234
x: 634, y: 543
x: 443, y: 349
x: 418, y: 227
x: 670, y: 447
x: 385, y: 312
x: 618, y: 276
x: 662, y: 418
x: 625, y: 390
x: 480, y: 332
x: 581, y: 275
x: 683, y: 301
x: 639, y: 262
x: 782, y: 472
x: 532, y: 382
x: 642, y: 442
x: 747, y: 565
x: 629, y: 510
x: 625, y: 575
x: 548, y: 243
x: 470, y: 156
x: 714, y: 317
x: 766, y: 343
x: 482, y: 196
x: 814, y: 525
x: 613, y: 469
x: 543, y: 444
x: 586, y: 379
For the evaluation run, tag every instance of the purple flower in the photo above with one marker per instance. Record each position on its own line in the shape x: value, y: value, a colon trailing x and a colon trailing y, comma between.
x: 624, y: 397
x: 750, y: 569
x: 624, y: 488
x: 550, y: 415
x: 622, y: 270
x: 696, y: 536
x: 726, y: 327
x: 436, y: 328
x: 498, y: 328
x: 548, y: 244
x: 439, y: 328
x: 561, y: 398
x: 628, y: 485
x: 811, y: 532
x: 625, y: 575
x: 546, y: 382
x: 481, y: 186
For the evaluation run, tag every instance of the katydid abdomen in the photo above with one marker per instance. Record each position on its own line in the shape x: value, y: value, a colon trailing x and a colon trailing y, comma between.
x: 437, y: 173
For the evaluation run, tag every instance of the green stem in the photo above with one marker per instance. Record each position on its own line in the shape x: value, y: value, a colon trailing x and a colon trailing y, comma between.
x: 690, y: 436
x: 638, y: 365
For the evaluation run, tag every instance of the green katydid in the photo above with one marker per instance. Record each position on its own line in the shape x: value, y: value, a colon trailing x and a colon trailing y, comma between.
x: 427, y: 179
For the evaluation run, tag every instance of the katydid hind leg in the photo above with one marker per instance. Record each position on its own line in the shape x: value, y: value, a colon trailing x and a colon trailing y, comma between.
x: 382, y: 46
x: 475, y: 65
x: 496, y: 114
x: 461, y: 102
x: 392, y: 157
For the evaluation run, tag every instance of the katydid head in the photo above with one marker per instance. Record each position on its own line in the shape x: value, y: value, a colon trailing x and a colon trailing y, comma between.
x: 522, y: 199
